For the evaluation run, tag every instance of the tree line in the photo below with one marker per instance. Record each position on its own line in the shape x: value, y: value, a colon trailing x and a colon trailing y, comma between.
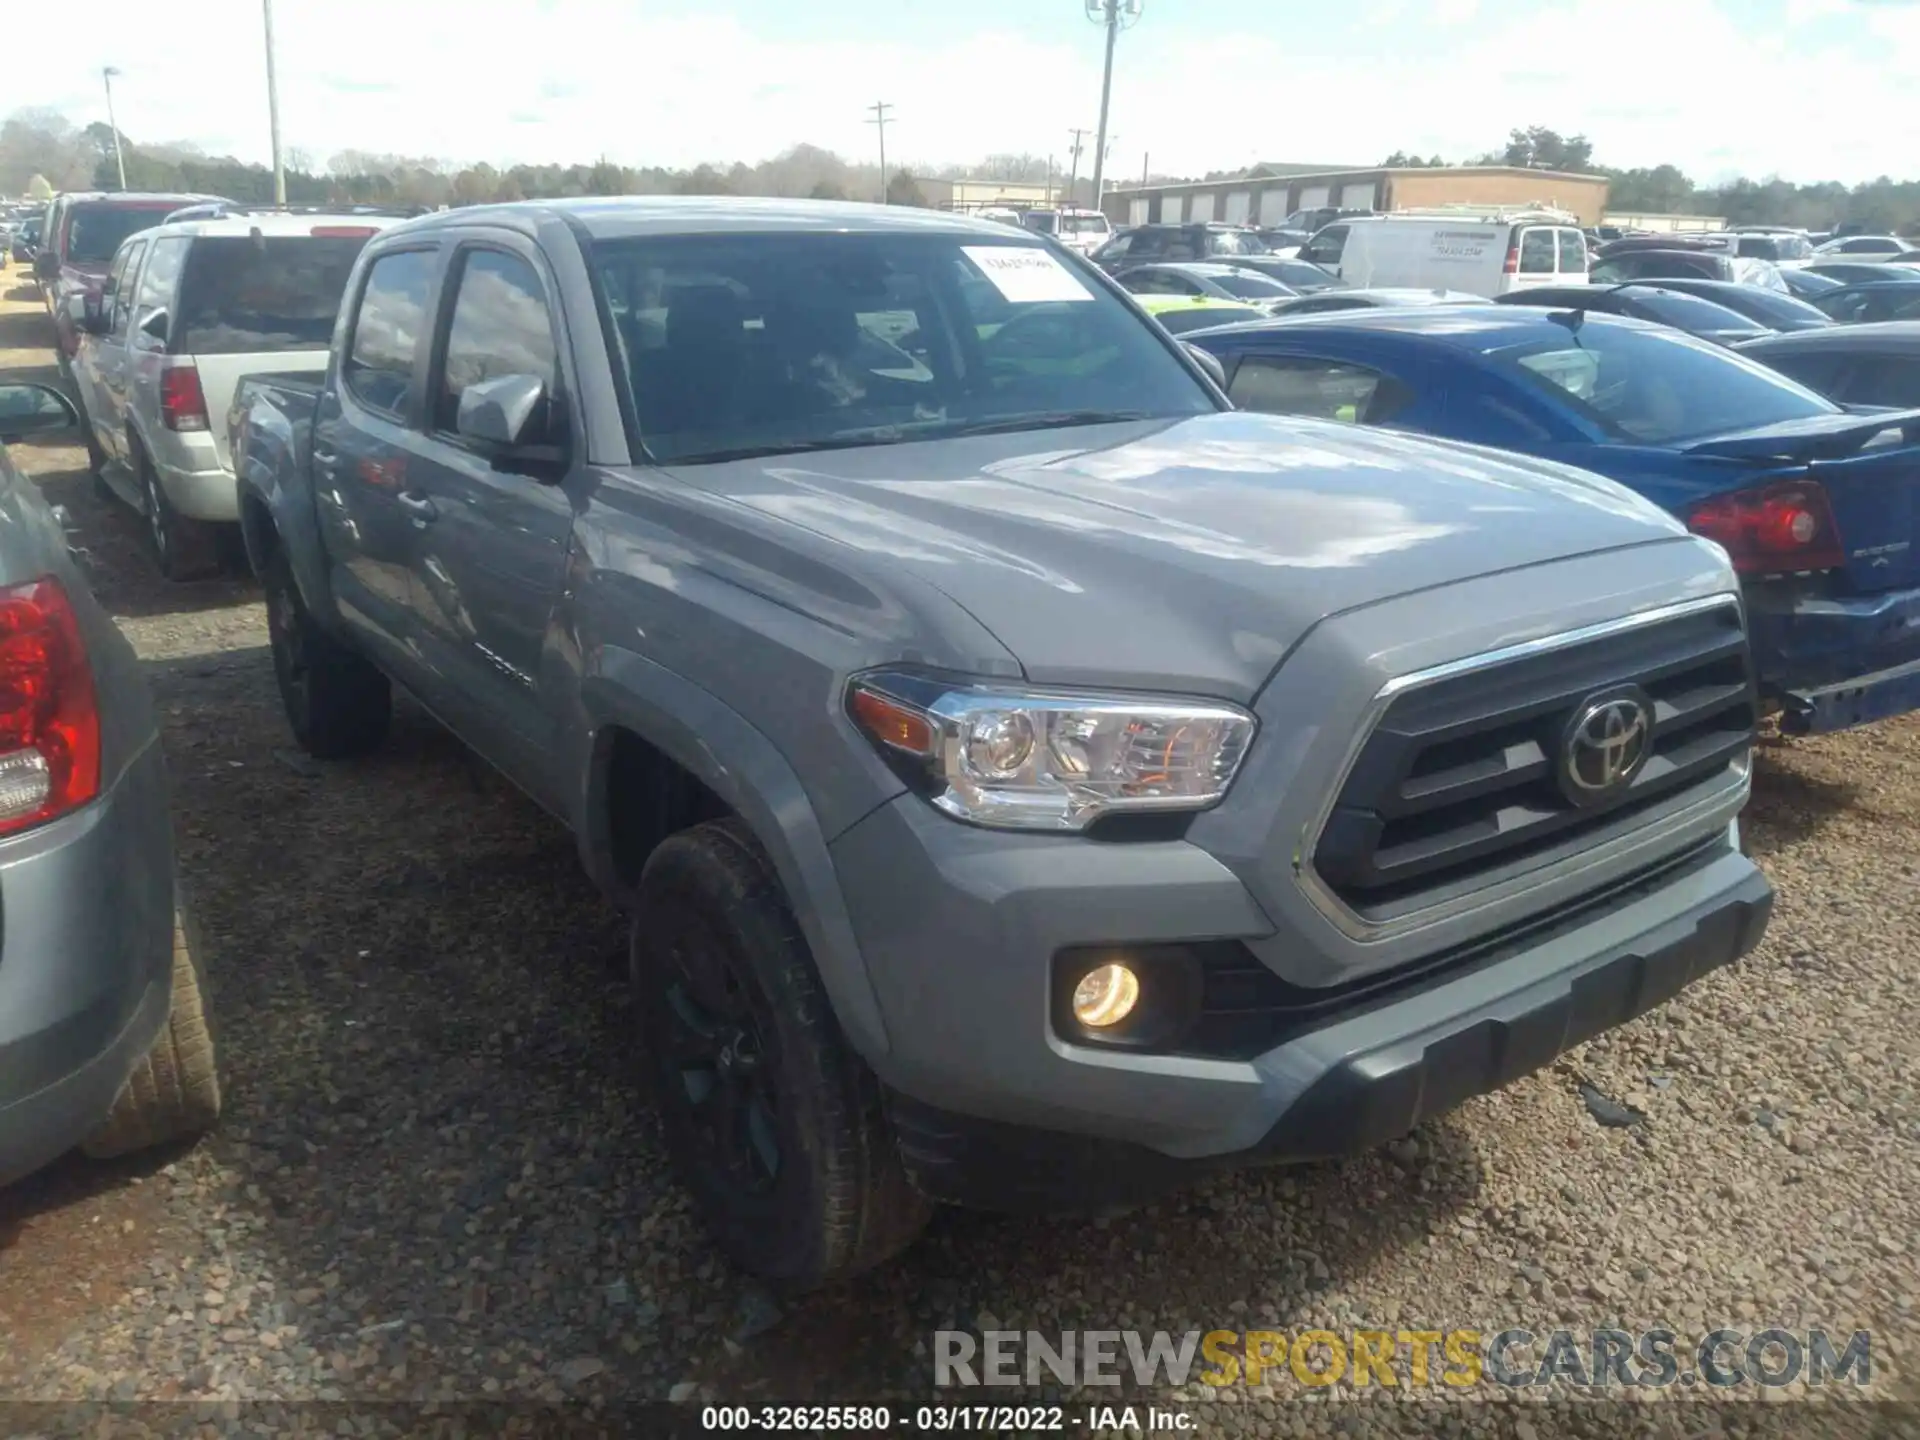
x: 45, y: 144
x: 1884, y: 204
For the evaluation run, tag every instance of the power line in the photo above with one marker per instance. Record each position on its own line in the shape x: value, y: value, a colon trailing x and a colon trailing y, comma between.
x: 880, y: 110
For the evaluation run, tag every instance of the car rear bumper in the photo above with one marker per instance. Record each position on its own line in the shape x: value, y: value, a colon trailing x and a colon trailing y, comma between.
x: 200, y: 493
x: 88, y: 906
x: 1373, y: 1073
x: 1835, y: 662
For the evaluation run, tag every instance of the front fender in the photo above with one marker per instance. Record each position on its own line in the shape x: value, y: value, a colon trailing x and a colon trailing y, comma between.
x: 735, y: 760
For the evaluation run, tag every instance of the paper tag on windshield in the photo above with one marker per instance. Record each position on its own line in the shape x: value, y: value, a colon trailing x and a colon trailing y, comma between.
x: 1026, y: 273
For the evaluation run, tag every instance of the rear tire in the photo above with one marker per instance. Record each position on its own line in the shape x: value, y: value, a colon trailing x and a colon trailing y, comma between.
x: 338, y: 704
x: 773, y: 1121
x: 185, y: 549
x: 174, y: 1091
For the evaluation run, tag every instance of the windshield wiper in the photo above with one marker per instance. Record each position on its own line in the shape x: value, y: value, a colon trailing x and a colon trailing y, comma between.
x: 786, y: 447
x: 1045, y: 420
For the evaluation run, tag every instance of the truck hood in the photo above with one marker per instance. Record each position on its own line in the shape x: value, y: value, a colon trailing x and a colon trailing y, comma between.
x: 1190, y: 553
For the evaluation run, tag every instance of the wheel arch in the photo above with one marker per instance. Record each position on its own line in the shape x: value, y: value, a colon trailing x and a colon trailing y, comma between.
x: 630, y: 699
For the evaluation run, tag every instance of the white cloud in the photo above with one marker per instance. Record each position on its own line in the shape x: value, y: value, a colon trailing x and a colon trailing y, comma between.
x: 1699, y: 83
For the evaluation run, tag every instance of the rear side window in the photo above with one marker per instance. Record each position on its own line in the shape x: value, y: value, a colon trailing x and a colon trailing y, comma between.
x: 240, y: 295
x: 1537, y: 253
x: 1573, y: 252
x: 500, y: 327
x: 1892, y: 380
x: 157, y: 280
x: 1817, y: 370
x: 1319, y: 389
x: 393, y: 311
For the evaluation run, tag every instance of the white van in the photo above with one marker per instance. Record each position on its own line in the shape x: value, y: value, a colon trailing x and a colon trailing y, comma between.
x: 1481, y: 251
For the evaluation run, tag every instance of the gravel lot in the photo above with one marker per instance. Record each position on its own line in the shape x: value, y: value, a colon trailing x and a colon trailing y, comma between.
x: 433, y: 1180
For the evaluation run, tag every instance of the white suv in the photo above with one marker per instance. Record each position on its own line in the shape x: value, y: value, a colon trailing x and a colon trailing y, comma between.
x: 211, y: 293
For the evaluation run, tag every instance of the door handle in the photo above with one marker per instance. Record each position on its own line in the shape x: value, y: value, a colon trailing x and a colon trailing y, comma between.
x: 420, y: 507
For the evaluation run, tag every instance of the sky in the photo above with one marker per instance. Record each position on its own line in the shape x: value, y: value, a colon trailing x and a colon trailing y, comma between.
x: 1804, y: 89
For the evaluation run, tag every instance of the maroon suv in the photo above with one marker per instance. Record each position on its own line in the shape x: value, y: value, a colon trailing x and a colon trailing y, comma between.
x: 81, y: 233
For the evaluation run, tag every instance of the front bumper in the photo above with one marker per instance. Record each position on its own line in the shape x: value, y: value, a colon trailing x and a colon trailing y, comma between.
x: 85, y: 965
x: 994, y: 1108
x: 1833, y: 662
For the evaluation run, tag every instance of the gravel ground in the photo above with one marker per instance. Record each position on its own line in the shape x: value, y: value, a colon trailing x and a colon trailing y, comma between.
x: 433, y: 1180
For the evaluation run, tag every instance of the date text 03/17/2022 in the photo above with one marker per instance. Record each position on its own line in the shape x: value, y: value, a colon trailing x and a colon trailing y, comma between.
x: 937, y: 1419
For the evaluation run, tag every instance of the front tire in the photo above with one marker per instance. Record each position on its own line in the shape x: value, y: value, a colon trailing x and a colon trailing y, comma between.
x: 774, y: 1122
x: 174, y: 1092
x: 338, y: 704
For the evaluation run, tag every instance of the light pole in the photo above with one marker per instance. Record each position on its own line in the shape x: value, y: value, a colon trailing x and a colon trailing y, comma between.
x: 1116, y: 15
x: 120, y: 161
x: 1073, y: 178
x: 273, y: 109
x: 880, y: 110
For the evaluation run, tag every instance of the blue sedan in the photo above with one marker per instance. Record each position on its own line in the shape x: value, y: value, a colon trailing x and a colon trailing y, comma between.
x: 1818, y: 506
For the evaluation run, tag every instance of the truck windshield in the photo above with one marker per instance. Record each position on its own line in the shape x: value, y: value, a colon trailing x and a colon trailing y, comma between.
x: 1659, y: 387
x: 739, y: 345
x: 241, y: 296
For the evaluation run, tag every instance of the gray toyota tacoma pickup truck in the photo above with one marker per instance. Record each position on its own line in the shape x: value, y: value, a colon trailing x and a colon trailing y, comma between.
x: 1033, y: 783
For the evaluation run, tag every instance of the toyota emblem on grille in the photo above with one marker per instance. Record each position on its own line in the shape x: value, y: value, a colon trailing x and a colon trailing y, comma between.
x: 1605, y: 746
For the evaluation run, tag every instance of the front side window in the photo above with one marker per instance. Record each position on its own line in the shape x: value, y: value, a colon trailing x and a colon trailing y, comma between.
x: 1317, y: 389
x: 241, y: 295
x: 734, y: 345
x: 1816, y: 369
x: 392, y: 317
x: 500, y: 327
x: 1659, y: 387
x: 1116, y: 248
x: 1326, y: 245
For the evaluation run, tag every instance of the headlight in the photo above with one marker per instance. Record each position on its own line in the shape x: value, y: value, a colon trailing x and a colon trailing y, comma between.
x: 1052, y: 760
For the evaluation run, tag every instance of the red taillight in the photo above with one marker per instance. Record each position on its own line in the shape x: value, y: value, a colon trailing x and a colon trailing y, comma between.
x: 183, y: 406
x: 1512, y: 264
x: 1788, y: 526
x: 49, y: 722
x: 343, y: 232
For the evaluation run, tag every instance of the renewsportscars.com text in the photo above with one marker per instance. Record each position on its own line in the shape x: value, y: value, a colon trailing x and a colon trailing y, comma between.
x: 1649, y: 1359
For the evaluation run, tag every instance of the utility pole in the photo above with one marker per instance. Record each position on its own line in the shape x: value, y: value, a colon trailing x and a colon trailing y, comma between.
x: 1073, y: 180
x: 880, y: 120
x: 273, y: 109
x: 1144, y: 158
x: 1115, y: 15
x: 120, y: 161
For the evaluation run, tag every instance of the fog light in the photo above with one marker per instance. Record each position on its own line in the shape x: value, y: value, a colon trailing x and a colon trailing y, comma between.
x: 1105, y: 996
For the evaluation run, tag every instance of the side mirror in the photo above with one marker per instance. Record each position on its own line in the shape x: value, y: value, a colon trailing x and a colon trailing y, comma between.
x: 155, y: 326
x: 507, y: 412
x: 46, y: 265
x: 1209, y: 362
x: 33, y: 410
